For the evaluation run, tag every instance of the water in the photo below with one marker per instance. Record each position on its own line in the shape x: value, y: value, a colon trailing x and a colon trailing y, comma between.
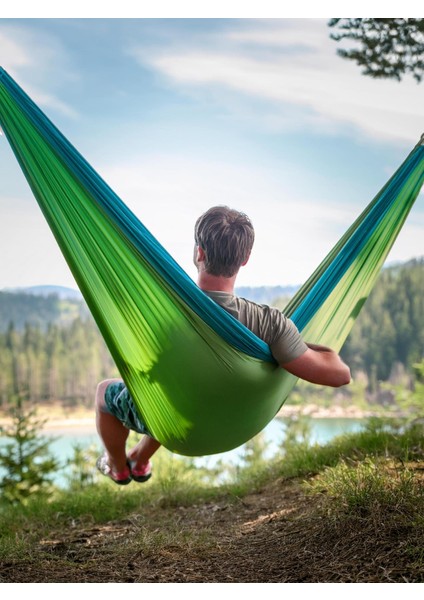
x: 63, y: 441
x: 322, y: 431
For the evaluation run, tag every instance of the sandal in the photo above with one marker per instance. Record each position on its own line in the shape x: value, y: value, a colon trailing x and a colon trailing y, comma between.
x: 122, y: 478
x: 141, y: 474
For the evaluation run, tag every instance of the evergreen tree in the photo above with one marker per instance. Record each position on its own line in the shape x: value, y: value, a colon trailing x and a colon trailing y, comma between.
x: 25, y: 461
x: 390, y: 327
x: 410, y: 398
x: 385, y: 48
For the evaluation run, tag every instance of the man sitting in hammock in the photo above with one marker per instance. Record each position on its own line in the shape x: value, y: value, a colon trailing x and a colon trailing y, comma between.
x: 224, y: 240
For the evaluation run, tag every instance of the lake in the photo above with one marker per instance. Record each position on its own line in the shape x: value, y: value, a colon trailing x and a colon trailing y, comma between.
x: 323, y: 430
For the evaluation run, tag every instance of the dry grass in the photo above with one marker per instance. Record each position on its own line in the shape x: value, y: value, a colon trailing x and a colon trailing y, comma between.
x: 282, y: 533
x: 350, y: 512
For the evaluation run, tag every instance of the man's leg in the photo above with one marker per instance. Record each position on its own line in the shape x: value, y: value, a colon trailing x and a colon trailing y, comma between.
x: 141, y: 453
x: 111, y: 431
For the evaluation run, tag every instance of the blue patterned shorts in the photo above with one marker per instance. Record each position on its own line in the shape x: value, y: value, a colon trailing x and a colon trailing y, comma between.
x: 120, y: 404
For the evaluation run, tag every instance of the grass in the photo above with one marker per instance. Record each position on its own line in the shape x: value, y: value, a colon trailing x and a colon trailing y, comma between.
x: 373, y: 487
x: 369, y: 482
x: 379, y: 438
x: 374, y: 509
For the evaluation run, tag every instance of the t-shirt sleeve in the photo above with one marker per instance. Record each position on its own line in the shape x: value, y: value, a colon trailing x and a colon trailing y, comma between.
x: 286, y: 343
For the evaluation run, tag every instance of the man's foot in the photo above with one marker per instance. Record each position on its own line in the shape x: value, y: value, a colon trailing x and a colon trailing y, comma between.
x: 140, y: 473
x: 122, y: 478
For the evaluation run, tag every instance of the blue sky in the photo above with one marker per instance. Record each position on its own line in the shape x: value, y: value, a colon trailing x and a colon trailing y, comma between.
x: 181, y: 114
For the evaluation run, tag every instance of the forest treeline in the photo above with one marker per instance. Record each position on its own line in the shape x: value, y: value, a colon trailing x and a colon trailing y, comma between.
x: 22, y: 308
x: 390, y: 328
x: 55, y: 353
x: 59, y: 363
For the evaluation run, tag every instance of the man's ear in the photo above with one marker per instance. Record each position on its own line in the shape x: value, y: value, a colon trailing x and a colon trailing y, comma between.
x: 246, y: 261
x: 200, y: 254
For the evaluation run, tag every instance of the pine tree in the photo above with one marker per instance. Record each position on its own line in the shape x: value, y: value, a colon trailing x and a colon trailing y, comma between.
x: 26, y: 460
x: 385, y: 48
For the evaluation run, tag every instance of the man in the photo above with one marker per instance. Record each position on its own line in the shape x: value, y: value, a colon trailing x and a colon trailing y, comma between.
x: 223, y: 242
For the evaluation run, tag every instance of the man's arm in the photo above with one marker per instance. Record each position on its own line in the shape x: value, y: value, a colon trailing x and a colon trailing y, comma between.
x: 320, y: 365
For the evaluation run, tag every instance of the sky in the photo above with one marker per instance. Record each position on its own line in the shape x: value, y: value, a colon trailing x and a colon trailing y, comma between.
x: 178, y: 115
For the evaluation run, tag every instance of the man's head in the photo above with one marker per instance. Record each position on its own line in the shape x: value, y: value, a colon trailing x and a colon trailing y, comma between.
x: 226, y: 237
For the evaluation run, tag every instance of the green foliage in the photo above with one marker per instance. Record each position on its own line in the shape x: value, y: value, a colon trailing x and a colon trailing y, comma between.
x: 176, y: 480
x: 385, y: 48
x: 386, y: 340
x: 251, y: 471
x: 372, y: 486
x: 297, y: 433
x: 379, y: 438
x: 80, y: 471
x: 410, y: 401
x: 62, y: 361
x: 349, y: 467
x: 24, y: 309
x: 26, y: 460
x: 390, y: 328
x: 255, y: 451
x: 376, y: 504
x: 61, y: 364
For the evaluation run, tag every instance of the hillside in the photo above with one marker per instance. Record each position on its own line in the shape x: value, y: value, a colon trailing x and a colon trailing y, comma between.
x: 39, y: 307
x: 390, y: 328
x: 276, y: 535
x: 65, y: 293
x: 51, y: 349
x: 349, y: 512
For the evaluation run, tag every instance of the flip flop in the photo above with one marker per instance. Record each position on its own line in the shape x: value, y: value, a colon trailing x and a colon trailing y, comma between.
x: 122, y: 478
x: 141, y: 474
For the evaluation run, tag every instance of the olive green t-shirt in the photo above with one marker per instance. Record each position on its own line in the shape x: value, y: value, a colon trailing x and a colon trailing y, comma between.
x: 269, y: 324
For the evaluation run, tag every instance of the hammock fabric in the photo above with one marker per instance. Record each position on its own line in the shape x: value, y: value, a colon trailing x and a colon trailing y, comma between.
x: 202, y: 382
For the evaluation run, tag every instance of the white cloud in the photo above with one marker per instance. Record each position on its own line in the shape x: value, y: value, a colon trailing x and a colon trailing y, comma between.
x: 13, y: 54
x: 168, y: 193
x: 291, y: 67
x: 293, y: 63
x: 293, y: 234
x: 30, y: 58
x: 29, y: 254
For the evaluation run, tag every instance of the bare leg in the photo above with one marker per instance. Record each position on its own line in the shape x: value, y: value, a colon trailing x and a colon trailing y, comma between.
x: 142, y: 452
x: 111, y: 431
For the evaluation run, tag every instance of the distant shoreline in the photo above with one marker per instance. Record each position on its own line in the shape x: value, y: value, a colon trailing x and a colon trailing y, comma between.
x: 334, y: 412
x: 57, y: 418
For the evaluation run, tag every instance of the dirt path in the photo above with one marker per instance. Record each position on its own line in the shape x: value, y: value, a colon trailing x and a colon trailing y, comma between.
x: 279, y: 535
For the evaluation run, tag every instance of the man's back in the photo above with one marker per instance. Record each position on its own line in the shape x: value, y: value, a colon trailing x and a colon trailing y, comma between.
x: 224, y: 239
x: 268, y: 323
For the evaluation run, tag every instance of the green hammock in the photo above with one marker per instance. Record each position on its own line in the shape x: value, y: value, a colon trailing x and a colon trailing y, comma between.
x: 201, y: 381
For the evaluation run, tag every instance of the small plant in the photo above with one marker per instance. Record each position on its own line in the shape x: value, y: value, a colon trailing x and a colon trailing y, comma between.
x: 26, y: 461
x: 255, y: 452
x: 297, y: 433
x: 372, y: 488
x: 80, y: 468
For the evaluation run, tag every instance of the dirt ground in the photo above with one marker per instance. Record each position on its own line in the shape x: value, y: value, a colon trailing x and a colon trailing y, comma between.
x: 281, y: 534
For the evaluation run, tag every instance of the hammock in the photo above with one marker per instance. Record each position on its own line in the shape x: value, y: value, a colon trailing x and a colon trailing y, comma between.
x: 202, y: 382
